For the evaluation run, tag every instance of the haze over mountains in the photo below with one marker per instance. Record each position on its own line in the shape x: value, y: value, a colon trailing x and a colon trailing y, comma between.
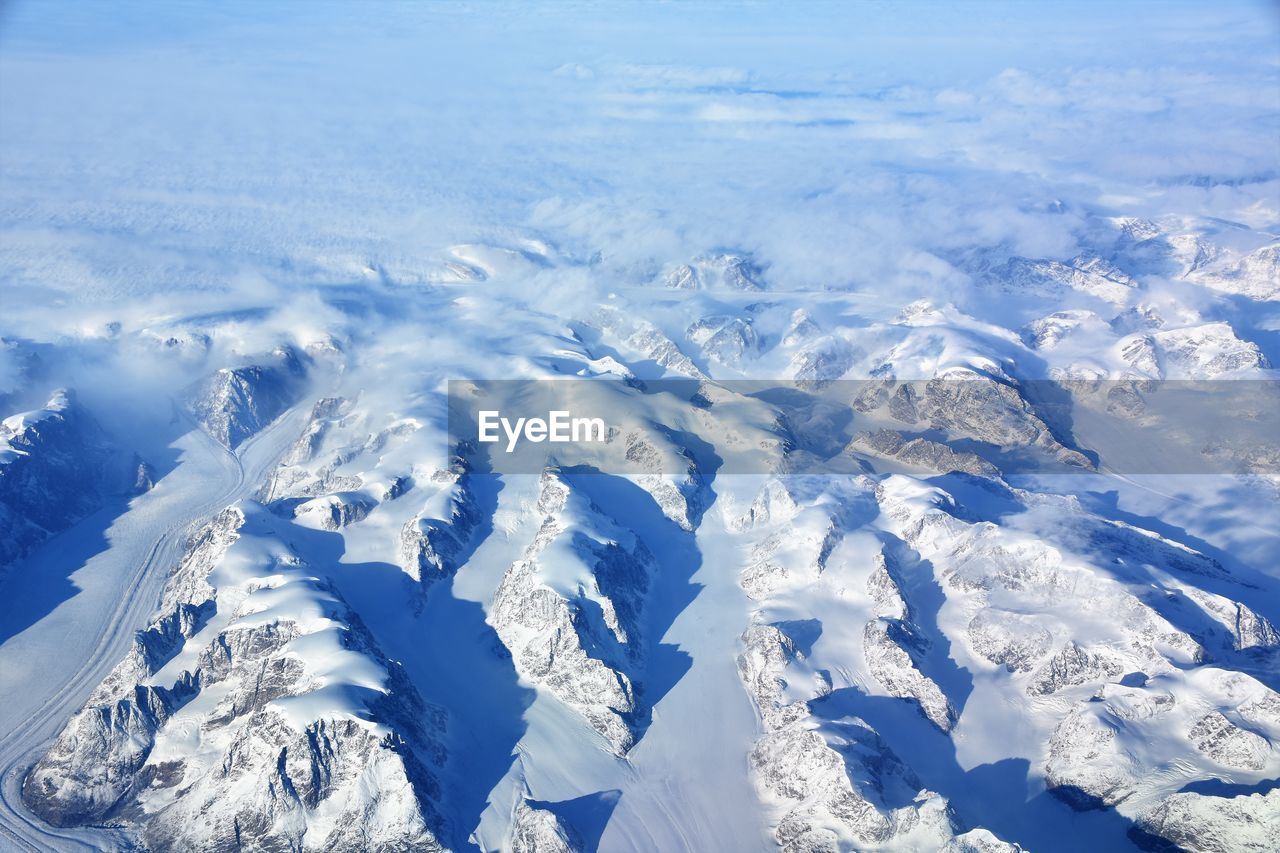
x: 258, y: 593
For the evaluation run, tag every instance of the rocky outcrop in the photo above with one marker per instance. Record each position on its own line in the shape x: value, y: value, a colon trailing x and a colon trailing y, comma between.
x: 648, y: 340
x: 334, y: 511
x: 1249, y: 823
x: 794, y: 555
x: 1047, y: 278
x: 822, y: 361
x: 801, y: 328
x: 325, y: 415
x: 1013, y: 640
x: 539, y: 830
x: 143, y: 477
x: 726, y: 340
x: 332, y: 466
x: 970, y: 406
x: 1086, y: 767
x: 259, y: 712
x: 571, y: 611
x: 892, y: 647
x: 235, y: 403
x: 1255, y: 275
x: 334, y: 784
x: 832, y: 779
x: 885, y: 645
x: 1206, y: 351
x: 670, y: 476
x: 434, y: 541
x: 53, y: 472
x: 723, y: 271
x: 1072, y: 666
x: 1245, y: 628
x: 1114, y: 672
x: 1226, y: 743
x: 1048, y: 331
x: 921, y: 453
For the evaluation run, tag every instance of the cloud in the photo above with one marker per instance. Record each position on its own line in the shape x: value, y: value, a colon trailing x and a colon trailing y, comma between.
x: 164, y: 157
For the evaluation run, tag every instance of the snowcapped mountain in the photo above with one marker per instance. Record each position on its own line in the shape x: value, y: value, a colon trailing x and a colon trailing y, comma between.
x: 259, y: 708
x: 935, y: 499
x: 53, y: 471
x: 234, y: 403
